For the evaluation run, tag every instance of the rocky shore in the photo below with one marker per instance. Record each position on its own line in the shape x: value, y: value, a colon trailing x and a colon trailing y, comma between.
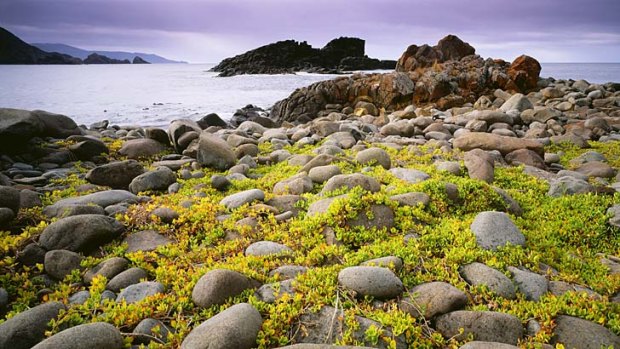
x: 384, y: 215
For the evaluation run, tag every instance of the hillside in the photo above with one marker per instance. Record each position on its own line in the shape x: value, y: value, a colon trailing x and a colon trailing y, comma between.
x: 13, y: 50
x: 120, y: 55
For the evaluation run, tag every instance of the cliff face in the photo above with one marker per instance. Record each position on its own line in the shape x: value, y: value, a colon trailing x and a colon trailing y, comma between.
x: 289, y: 56
x: 15, y: 51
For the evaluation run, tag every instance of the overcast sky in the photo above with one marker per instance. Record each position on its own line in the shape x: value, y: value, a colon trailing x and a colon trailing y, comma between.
x: 209, y: 30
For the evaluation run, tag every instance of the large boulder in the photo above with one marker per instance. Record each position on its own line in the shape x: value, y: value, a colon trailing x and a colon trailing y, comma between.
x: 102, y: 199
x: 216, y: 286
x: 483, y: 325
x: 524, y: 72
x: 156, y: 180
x: 235, y: 327
x: 377, y: 282
x: 574, y: 332
x: 116, y: 175
x: 214, y: 152
x: 141, y: 148
x: 432, y: 299
x: 178, y: 128
x: 27, y: 328
x: 18, y: 126
x: 97, y: 335
x: 490, y: 141
x: 495, y: 229
x: 82, y: 233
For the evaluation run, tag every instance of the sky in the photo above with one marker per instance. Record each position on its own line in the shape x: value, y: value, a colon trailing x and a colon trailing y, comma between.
x: 202, y: 31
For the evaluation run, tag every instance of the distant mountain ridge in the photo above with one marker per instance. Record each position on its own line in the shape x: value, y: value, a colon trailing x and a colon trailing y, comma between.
x: 120, y: 55
x: 13, y: 50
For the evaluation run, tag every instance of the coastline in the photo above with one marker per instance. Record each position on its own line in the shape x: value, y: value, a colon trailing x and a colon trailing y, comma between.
x: 378, y: 217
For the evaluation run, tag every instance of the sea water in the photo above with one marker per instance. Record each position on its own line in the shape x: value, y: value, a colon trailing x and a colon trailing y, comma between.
x: 155, y: 94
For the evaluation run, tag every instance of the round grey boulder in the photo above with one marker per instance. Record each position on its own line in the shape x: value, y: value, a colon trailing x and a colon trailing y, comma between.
x: 116, y: 175
x: 569, y: 185
x: 377, y: 282
x: 108, y: 268
x: 375, y: 156
x: 27, y: 328
x: 215, y: 153
x: 432, y: 299
x: 156, y: 180
x: 146, y: 240
x: 9, y: 198
x: 137, y: 292
x: 126, y: 278
x: 82, y: 233
x: 150, y: 328
x: 236, y: 327
x: 60, y: 263
x: 532, y: 285
x: 574, y: 332
x: 351, y: 181
x: 266, y: 248
x: 217, y: 286
x: 98, y: 335
x: 495, y: 229
x: 321, y: 174
x: 483, y: 325
x: 141, y: 148
x: 480, y: 274
x: 245, y: 197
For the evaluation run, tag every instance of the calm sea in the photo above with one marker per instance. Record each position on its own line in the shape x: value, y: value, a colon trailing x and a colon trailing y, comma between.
x: 158, y: 93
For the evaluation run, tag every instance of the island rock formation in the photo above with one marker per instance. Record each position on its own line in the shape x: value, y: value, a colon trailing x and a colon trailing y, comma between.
x: 289, y: 56
x: 447, y: 74
x: 95, y: 58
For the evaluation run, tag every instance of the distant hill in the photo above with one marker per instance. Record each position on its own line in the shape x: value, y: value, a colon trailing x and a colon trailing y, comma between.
x: 15, y: 51
x: 83, y: 54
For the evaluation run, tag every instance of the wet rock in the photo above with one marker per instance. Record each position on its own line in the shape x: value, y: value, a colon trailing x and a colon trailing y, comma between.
x: 377, y: 282
x: 432, y: 299
x: 80, y: 233
x: 60, y: 263
x: 98, y: 335
x: 146, y: 240
x: 495, y: 229
x: 27, y: 328
x: 156, y: 180
x: 137, y: 292
x: 218, y: 285
x: 235, y: 327
x: 480, y: 274
x: 483, y: 325
x: 116, y: 175
x: 574, y: 332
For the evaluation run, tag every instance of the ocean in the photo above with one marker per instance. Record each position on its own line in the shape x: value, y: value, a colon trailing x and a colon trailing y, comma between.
x: 155, y: 94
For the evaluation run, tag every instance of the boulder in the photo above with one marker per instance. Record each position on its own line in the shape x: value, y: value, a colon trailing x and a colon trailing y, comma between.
x: 321, y: 174
x: 10, y: 198
x: 433, y: 299
x: 267, y: 248
x: 60, y: 263
x: 569, y: 185
x: 126, y: 278
x: 178, y: 128
x: 108, y: 269
x: 28, y: 328
x: 137, y: 292
x: 218, y: 285
x: 141, y: 148
x: 409, y: 175
x: 296, y: 185
x: 483, y: 325
x: 377, y: 282
x: 214, y: 152
x: 351, y: 181
x: 156, y: 180
x: 574, y: 332
x: 524, y: 72
x: 97, y: 335
x: 480, y: 274
x: 102, y: 199
x: 480, y: 165
x: 376, y: 156
x: 490, y: 141
x: 241, y: 198
x: 235, y: 327
x: 87, y: 148
x: 116, y: 175
x: 82, y: 233
x: 532, y: 285
x: 146, y: 240
x: 495, y: 229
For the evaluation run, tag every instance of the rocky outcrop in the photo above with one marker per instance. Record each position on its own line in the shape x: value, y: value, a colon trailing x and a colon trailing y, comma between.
x: 139, y: 60
x: 15, y: 51
x: 95, y: 58
x: 289, y: 56
x: 448, y: 74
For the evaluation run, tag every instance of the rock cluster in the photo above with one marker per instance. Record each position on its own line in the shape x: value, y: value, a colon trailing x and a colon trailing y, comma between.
x: 289, y: 56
